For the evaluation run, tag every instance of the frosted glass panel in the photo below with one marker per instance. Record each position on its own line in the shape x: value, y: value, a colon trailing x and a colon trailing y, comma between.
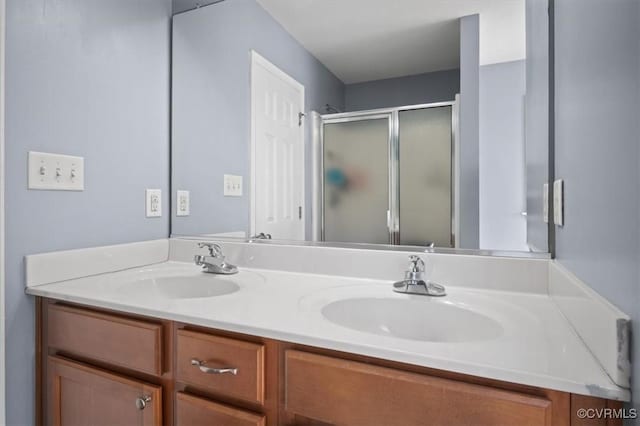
x: 356, y: 181
x: 425, y: 176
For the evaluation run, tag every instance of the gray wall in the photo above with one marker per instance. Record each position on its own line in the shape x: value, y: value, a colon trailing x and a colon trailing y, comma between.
x: 89, y: 78
x: 597, y: 70
x: 537, y: 120
x: 501, y: 157
x: 438, y: 86
x: 469, y: 131
x: 211, y: 105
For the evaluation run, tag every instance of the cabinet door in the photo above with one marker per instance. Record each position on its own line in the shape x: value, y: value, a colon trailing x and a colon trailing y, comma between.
x: 82, y: 395
x: 340, y: 392
x: 194, y: 411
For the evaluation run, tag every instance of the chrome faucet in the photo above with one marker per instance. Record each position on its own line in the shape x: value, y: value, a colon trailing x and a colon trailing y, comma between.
x: 416, y: 280
x: 214, y: 263
x: 260, y: 236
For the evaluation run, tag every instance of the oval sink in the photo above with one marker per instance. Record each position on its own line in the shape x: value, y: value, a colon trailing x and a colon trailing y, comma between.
x: 182, y: 287
x: 414, y: 319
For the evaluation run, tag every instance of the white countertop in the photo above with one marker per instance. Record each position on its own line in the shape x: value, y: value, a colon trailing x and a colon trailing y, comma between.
x: 537, y: 347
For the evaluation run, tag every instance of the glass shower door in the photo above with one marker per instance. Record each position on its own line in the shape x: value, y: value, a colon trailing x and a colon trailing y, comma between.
x: 425, y: 170
x: 356, y: 179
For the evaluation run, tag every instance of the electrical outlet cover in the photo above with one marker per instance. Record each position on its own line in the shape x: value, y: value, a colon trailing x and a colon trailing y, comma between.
x: 153, y: 202
x: 183, y: 207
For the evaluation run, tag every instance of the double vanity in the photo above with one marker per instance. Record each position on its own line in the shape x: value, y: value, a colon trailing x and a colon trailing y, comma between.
x: 140, y: 334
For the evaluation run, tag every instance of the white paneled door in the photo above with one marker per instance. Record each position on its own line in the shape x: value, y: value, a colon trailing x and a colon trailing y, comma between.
x: 277, y: 152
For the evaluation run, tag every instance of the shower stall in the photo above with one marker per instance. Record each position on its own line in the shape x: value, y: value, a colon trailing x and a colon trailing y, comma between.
x: 386, y: 176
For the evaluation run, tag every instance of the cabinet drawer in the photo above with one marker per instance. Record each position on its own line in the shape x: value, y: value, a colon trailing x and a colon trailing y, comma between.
x: 194, y: 411
x: 82, y: 395
x: 344, y: 392
x: 220, y: 352
x: 129, y: 343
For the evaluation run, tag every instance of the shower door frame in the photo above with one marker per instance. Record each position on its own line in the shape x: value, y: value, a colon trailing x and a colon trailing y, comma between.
x: 393, y: 115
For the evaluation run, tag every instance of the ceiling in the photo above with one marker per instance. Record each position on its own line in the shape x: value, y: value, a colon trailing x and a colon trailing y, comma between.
x: 363, y: 40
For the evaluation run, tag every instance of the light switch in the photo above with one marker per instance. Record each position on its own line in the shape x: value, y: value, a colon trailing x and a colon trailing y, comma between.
x: 558, y: 202
x: 153, y: 202
x: 55, y: 172
x: 545, y: 203
x: 232, y: 186
x: 182, y: 203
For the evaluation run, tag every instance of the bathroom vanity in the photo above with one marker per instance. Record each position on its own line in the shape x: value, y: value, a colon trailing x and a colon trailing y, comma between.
x: 165, y: 343
x: 128, y: 369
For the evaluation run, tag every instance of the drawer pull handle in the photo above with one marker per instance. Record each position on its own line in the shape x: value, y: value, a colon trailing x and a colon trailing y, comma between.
x: 142, y: 401
x: 209, y: 370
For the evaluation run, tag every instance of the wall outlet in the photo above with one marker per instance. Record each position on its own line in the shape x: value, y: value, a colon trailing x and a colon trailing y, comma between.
x: 153, y: 202
x: 55, y: 172
x: 232, y: 186
x: 558, y: 202
x: 545, y: 203
x: 182, y: 203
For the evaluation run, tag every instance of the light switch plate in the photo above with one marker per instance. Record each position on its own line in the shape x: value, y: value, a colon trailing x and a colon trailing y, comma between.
x: 153, y: 202
x: 545, y: 203
x: 55, y: 172
x: 558, y: 202
x: 183, y: 207
x: 232, y: 186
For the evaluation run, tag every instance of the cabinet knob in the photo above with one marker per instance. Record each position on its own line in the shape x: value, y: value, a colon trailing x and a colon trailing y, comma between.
x: 209, y: 370
x: 141, y: 402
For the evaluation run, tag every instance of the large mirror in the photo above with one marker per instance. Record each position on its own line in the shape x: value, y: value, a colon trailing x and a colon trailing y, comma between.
x: 407, y: 122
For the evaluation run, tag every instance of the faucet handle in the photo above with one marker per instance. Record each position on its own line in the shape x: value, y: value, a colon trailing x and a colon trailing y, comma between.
x: 416, y: 269
x: 260, y: 236
x: 416, y: 264
x: 214, y: 249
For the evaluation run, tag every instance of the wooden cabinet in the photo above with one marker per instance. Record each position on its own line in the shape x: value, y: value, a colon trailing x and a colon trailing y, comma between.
x: 94, y: 367
x: 194, y: 411
x: 97, y: 367
x: 130, y: 343
x: 78, y: 394
x: 227, y: 366
x: 343, y: 392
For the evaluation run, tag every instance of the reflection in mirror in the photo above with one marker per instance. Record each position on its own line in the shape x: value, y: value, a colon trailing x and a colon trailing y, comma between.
x: 414, y: 123
x: 355, y: 174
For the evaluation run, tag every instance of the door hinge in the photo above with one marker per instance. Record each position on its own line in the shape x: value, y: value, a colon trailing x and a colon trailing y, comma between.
x: 300, y: 212
x: 301, y: 115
